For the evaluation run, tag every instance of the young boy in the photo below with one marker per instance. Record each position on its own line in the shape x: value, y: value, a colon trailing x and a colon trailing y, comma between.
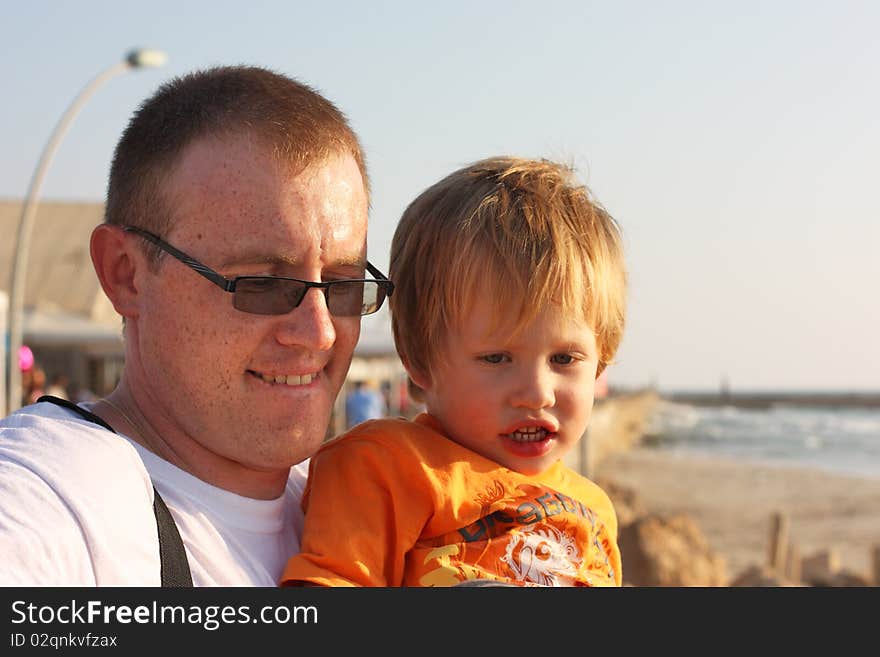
x: 508, y: 303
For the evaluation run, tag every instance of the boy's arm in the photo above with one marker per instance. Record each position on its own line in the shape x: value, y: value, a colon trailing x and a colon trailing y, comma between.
x: 365, y: 507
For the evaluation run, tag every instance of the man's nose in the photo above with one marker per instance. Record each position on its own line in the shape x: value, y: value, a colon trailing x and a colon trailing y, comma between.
x: 310, y: 324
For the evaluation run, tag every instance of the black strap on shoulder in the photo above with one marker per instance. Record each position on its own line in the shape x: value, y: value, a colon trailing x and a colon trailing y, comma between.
x: 66, y: 403
x: 175, y: 570
x: 175, y: 567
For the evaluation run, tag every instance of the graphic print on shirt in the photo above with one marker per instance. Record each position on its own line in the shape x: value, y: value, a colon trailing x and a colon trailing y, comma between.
x: 545, y: 556
x: 533, y: 535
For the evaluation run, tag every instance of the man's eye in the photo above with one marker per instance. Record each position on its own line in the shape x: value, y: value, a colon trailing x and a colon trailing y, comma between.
x: 493, y: 359
x: 257, y: 284
x: 563, y: 359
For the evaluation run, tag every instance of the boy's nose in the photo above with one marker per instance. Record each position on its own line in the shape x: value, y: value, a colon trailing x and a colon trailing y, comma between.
x: 534, y: 389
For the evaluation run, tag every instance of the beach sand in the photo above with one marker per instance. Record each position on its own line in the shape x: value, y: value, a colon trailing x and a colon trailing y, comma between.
x: 733, y: 503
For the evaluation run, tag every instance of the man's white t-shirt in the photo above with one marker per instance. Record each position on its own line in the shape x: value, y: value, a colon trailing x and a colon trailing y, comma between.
x: 76, y: 509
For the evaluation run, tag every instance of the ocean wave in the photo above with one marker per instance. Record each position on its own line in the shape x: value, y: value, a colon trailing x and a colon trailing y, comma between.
x: 843, y: 440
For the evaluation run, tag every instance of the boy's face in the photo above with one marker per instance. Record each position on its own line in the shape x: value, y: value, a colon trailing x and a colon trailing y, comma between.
x: 521, y: 400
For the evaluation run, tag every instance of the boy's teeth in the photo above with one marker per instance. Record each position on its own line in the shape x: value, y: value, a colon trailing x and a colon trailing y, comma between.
x: 289, y: 379
x: 529, y: 435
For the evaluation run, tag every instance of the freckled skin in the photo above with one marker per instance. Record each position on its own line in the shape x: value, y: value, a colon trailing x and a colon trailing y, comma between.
x: 190, y: 354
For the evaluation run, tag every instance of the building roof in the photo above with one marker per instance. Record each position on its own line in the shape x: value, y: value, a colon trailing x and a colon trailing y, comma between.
x: 59, y: 275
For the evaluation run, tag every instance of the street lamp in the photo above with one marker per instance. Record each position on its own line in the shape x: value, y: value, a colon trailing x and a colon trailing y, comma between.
x: 141, y: 58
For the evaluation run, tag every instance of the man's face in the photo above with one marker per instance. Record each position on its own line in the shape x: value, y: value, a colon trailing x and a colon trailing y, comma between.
x: 520, y: 399
x: 253, y: 389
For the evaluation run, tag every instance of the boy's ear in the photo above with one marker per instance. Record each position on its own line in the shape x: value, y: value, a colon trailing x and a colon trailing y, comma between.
x: 116, y: 265
x: 416, y: 376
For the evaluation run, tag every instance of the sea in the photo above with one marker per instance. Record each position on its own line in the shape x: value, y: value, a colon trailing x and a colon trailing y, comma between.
x: 840, y: 438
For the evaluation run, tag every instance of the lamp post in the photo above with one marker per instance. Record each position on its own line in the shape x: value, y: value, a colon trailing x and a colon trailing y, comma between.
x: 135, y: 59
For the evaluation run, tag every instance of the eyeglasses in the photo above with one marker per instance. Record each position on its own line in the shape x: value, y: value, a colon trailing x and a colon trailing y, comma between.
x: 278, y: 295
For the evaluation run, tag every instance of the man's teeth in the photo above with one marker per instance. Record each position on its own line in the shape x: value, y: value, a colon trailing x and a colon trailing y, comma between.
x: 529, y: 435
x: 289, y: 379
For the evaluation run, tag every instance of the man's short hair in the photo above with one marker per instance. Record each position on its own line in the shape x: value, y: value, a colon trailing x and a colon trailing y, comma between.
x: 297, y: 123
x: 523, y: 229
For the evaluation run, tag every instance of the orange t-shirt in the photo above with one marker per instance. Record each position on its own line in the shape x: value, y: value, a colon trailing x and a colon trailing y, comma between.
x: 397, y: 503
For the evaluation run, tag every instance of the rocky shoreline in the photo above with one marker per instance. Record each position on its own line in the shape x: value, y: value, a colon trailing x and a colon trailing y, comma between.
x: 694, y: 521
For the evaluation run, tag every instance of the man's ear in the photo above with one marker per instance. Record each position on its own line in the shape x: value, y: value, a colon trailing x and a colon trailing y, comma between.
x: 115, y: 264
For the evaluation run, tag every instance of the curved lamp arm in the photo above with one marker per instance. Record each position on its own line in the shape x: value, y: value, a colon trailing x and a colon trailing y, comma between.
x: 134, y: 59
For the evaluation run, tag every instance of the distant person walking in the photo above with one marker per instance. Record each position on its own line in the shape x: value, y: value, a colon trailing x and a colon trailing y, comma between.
x: 36, y: 385
x: 363, y: 403
x: 58, y: 386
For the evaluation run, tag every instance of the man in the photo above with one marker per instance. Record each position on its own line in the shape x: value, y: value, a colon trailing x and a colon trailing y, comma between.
x: 223, y: 180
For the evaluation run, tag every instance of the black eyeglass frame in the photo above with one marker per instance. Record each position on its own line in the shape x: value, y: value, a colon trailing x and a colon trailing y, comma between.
x: 229, y: 284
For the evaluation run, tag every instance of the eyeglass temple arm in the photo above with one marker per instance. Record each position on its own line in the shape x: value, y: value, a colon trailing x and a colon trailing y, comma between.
x: 192, y: 263
x: 213, y: 276
x: 380, y: 276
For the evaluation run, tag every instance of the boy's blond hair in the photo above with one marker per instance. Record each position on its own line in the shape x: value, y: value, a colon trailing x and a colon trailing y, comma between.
x: 526, y: 231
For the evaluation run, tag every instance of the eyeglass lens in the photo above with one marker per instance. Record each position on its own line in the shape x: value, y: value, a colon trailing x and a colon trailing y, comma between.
x: 277, y: 296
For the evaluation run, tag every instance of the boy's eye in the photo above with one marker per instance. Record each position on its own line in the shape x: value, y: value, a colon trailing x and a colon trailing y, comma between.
x: 562, y: 359
x: 494, y: 359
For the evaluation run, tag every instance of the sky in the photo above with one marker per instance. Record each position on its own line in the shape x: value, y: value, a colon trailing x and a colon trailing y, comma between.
x: 736, y: 144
